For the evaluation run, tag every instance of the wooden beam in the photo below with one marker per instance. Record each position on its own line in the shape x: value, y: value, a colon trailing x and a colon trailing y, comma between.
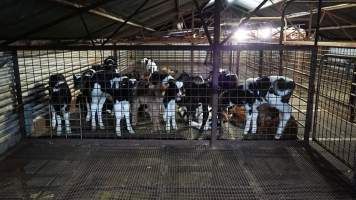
x: 103, y: 13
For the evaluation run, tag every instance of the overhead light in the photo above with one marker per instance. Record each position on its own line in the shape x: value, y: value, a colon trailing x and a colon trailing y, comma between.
x: 241, y: 35
x: 230, y: 1
x: 264, y: 33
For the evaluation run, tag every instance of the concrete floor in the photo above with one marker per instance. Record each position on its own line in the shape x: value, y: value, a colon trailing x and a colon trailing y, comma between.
x: 153, y: 169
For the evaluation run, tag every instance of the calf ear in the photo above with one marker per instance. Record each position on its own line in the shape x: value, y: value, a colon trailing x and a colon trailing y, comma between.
x: 290, y: 85
x: 179, y: 84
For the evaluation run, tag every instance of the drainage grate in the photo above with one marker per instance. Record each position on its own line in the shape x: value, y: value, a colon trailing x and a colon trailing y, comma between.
x: 250, y: 171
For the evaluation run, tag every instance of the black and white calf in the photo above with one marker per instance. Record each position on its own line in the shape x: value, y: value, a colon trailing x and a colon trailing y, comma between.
x: 59, y: 100
x: 274, y: 90
x: 196, y: 94
x: 171, y: 94
x: 150, y: 65
x: 86, y: 83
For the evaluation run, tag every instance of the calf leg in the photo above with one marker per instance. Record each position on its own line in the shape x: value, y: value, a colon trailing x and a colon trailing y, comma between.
x: 93, y: 109
x: 53, y: 117
x: 166, y: 119
x: 100, y: 112
x: 286, y: 112
x: 254, y: 118
x: 135, y: 107
x: 155, y: 115
x: 118, y: 107
x: 126, y: 112
x: 173, y: 116
x: 87, y: 118
x: 67, y: 123
x: 205, y: 117
x: 248, y: 118
x: 59, y: 124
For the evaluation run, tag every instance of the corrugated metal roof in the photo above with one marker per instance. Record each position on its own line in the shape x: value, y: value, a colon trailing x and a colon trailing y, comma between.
x: 20, y: 19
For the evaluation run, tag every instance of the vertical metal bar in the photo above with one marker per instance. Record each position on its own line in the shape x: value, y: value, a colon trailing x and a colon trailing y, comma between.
x: 20, y: 106
x: 281, y: 37
x: 315, y: 121
x: 216, y: 64
x: 353, y: 93
x: 260, y: 63
x: 312, y: 73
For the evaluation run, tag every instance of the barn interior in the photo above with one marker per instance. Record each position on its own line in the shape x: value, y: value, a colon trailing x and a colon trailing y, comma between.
x: 309, y: 41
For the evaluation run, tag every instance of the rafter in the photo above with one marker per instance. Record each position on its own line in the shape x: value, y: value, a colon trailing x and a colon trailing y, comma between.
x: 103, y: 13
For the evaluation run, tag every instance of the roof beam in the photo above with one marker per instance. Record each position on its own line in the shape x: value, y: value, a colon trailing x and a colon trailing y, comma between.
x: 328, y: 8
x: 55, y: 22
x: 103, y: 13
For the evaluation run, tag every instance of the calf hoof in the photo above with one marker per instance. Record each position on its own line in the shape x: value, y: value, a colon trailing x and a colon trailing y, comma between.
x: 118, y: 134
x: 102, y: 127
x: 278, y: 136
x: 131, y: 132
x: 68, y: 131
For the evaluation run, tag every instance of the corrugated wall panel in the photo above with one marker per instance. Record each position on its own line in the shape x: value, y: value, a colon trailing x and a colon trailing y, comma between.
x: 9, y: 124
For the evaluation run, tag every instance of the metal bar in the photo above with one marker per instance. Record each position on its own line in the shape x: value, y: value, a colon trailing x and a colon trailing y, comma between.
x: 281, y: 36
x: 200, y: 14
x: 260, y: 63
x: 55, y: 22
x: 317, y: 95
x: 216, y: 66
x: 126, y: 20
x: 87, y: 30
x: 352, y: 100
x: 329, y: 8
x: 249, y: 46
x: 104, y: 14
x: 20, y: 107
x: 311, y: 92
x: 244, y: 20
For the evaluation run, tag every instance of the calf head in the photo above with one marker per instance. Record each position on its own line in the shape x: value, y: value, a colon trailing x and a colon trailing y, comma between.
x: 80, y: 79
x: 110, y: 63
x: 55, y: 80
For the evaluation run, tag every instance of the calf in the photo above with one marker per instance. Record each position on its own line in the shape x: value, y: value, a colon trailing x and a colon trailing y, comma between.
x: 196, y: 93
x: 86, y: 83
x: 274, y: 90
x: 59, y: 100
x: 150, y: 65
x: 171, y: 94
x: 122, y: 92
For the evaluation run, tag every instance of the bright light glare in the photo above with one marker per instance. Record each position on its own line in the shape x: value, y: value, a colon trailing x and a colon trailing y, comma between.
x: 265, y: 33
x: 241, y: 35
x: 230, y: 1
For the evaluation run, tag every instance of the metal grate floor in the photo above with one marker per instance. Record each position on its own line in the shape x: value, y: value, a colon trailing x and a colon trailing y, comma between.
x: 62, y: 169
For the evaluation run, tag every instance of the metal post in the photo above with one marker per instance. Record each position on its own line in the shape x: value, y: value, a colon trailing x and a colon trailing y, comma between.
x: 313, y: 63
x: 20, y: 107
x: 216, y: 65
x: 260, y: 63
x: 352, y: 99
x: 281, y: 36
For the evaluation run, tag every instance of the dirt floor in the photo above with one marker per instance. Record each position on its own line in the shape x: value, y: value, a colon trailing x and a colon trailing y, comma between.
x: 119, y: 169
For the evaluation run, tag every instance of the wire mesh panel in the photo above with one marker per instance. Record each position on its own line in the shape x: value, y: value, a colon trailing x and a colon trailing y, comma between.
x: 91, y: 96
x: 259, y: 71
x: 334, y: 123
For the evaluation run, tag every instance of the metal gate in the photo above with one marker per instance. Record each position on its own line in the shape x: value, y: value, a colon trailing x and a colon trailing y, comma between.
x: 247, y: 61
x: 334, y: 126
